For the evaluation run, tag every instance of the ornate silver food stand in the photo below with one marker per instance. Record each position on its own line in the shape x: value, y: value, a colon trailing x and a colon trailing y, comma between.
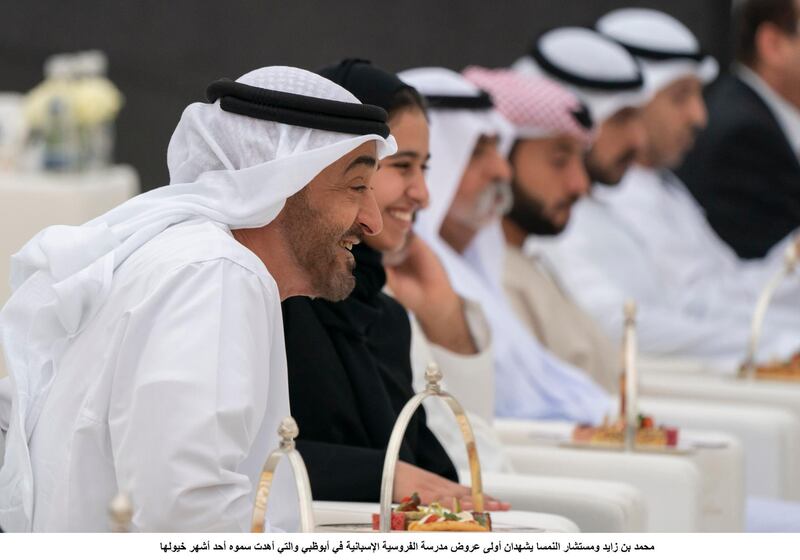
x: 288, y: 431
x: 433, y: 377
x: 790, y: 262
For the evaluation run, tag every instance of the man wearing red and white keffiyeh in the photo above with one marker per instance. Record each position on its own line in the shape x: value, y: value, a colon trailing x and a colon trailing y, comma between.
x: 553, y: 131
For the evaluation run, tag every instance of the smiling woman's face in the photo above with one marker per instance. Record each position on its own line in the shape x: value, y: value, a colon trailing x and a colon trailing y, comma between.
x: 399, y: 183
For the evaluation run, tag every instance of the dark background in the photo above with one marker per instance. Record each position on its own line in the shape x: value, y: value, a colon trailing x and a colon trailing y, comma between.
x: 163, y: 53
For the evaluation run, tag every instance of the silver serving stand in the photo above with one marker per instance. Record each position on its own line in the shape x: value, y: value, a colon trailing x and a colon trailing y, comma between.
x: 287, y: 431
x: 433, y: 378
x: 629, y: 400
x: 790, y: 262
x: 629, y: 397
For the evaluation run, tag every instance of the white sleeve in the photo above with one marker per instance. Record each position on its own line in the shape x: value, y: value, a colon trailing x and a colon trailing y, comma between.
x: 189, y: 397
x: 5, y: 413
x: 661, y: 329
x: 470, y: 379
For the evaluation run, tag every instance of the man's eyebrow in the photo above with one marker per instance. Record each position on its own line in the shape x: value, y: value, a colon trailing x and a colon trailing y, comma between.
x: 369, y: 161
x: 408, y: 153
x: 564, y: 146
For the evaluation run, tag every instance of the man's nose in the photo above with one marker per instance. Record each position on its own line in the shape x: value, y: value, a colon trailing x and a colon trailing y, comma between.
x: 699, y: 112
x: 637, y: 134
x: 500, y: 167
x: 369, y: 215
x: 578, y: 182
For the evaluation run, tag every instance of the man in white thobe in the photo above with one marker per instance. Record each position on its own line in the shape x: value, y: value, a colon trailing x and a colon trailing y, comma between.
x: 469, y: 180
x: 647, y: 239
x: 145, y: 348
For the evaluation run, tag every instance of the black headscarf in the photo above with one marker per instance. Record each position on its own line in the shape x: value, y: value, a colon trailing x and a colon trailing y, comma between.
x: 369, y: 84
x: 349, y: 361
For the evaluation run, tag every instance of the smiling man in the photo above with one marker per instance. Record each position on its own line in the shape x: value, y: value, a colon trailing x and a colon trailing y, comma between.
x: 145, y: 348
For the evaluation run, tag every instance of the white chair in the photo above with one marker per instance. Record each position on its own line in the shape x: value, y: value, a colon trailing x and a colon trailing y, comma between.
x: 702, y: 491
x: 770, y: 439
x: 693, y: 380
x: 595, y: 506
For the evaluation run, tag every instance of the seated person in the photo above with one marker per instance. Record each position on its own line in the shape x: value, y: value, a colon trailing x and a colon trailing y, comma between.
x: 462, y: 225
x: 553, y: 132
x: 745, y: 167
x: 153, y: 364
x: 647, y: 239
x: 349, y: 362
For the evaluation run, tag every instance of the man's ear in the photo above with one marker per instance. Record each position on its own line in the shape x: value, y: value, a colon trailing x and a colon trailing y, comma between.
x: 770, y: 41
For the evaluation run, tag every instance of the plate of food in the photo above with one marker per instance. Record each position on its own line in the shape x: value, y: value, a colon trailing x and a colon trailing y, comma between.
x: 611, y: 436
x: 411, y: 515
x: 347, y: 517
x: 777, y: 370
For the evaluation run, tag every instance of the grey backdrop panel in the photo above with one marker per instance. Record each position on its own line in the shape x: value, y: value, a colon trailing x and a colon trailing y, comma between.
x: 164, y: 52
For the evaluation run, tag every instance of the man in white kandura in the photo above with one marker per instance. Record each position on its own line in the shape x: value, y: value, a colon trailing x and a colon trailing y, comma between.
x: 469, y: 179
x: 648, y: 239
x: 145, y: 348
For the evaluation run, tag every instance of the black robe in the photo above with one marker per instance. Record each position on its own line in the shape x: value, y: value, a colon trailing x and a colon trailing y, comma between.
x: 349, y: 377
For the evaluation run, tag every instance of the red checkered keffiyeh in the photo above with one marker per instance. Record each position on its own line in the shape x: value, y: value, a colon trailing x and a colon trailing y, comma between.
x: 536, y: 106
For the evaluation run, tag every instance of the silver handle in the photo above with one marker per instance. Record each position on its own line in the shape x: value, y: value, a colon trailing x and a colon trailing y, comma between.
x: 433, y: 389
x: 630, y: 397
x: 748, y: 368
x: 288, y: 431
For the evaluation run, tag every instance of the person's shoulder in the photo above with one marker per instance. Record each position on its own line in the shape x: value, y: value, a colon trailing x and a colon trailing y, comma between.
x: 199, y: 241
x: 736, y: 109
x: 199, y: 245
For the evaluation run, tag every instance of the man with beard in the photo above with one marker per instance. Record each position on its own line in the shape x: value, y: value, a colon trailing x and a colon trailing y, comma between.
x: 349, y: 369
x: 468, y: 177
x: 608, y: 80
x: 553, y: 131
x: 145, y: 348
x: 647, y: 238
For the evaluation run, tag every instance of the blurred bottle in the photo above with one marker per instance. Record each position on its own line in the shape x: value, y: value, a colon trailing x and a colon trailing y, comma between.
x: 71, y: 114
x: 58, y: 129
x: 94, y: 94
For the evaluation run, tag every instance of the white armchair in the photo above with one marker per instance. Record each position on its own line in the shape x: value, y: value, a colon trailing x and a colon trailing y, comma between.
x: 703, y: 491
x: 770, y: 439
x: 691, y: 380
x: 595, y: 506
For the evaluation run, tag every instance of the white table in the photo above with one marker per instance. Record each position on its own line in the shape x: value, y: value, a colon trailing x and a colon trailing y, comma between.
x: 29, y: 202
